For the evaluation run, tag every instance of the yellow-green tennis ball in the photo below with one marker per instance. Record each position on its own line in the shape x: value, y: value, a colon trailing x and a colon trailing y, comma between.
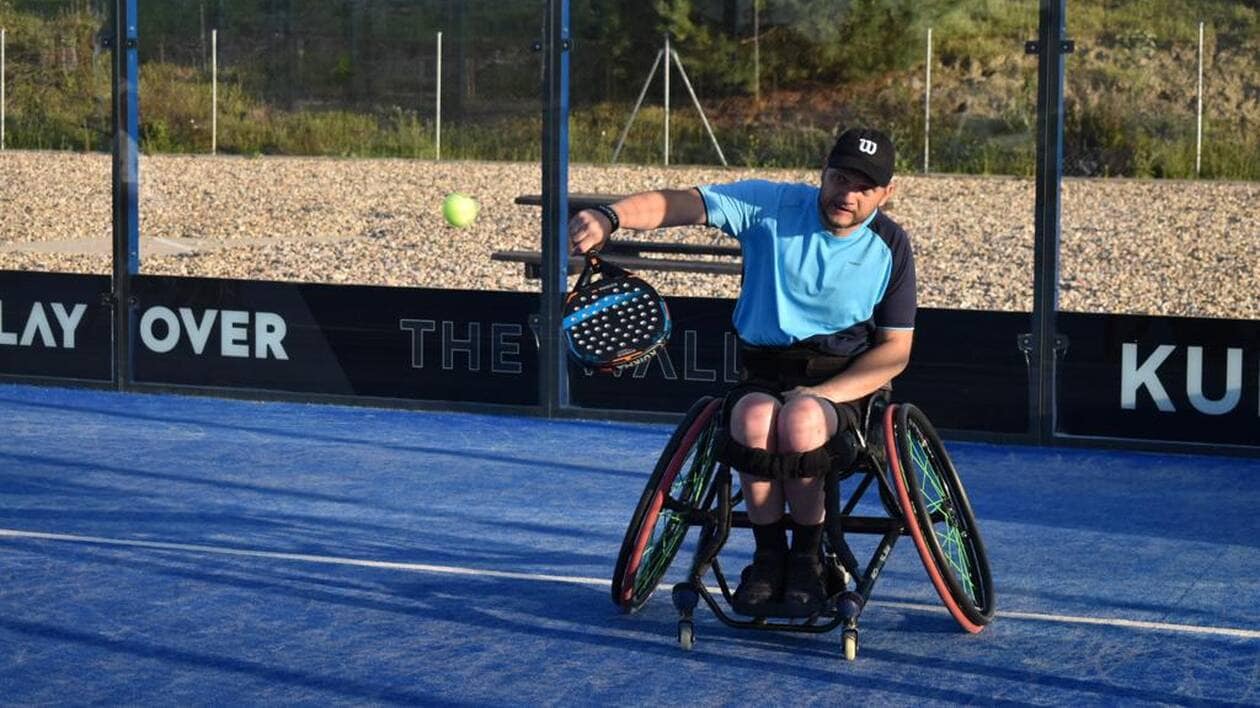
x: 459, y: 210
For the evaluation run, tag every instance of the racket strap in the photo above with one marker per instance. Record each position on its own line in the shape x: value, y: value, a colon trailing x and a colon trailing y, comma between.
x: 596, y: 265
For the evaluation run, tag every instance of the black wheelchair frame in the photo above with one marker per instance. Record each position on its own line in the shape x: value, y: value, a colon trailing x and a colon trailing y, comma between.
x: 674, y: 502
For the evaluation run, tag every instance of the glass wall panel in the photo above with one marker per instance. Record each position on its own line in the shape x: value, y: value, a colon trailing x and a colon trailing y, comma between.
x: 765, y: 86
x: 760, y: 90
x: 316, y: 141
x: 1159, y: 205
x: 1160, y: 244
x: 55, y: 194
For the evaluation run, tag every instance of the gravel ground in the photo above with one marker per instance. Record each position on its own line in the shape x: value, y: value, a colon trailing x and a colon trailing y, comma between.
x: 1128, y: 246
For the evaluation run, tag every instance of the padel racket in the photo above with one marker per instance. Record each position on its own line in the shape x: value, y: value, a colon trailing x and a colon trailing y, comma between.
x: 613, y: 319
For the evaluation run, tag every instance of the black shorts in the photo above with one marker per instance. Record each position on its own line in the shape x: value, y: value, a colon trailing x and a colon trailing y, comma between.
x: 775, y: 370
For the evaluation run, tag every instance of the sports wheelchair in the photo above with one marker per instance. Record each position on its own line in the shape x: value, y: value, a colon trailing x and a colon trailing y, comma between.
x: 901, y: 457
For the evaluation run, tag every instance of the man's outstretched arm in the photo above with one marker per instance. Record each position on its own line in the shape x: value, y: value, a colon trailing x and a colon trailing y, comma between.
x: 646, y: 210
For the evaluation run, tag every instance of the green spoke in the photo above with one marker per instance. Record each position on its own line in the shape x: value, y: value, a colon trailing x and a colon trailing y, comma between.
x: 952, y: 551
x: 929, y: 475
x: 922, y: 461
x: 936, y: 498
x: 952, y: 545
x: 659, y: 553
x: 687, y: 488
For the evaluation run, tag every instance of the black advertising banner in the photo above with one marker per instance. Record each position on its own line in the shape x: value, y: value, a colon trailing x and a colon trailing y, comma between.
x: 966, y: 372
x: 1122, y: 376
x: 420, y: 344
x: 1160, y: 378
x: 56, y: 325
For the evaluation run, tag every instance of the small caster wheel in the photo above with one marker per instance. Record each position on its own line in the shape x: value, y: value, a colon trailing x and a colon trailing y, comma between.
x: 685, y: 599
x: 850, y: 644
x: 849, y: 606
x: 686, y: 634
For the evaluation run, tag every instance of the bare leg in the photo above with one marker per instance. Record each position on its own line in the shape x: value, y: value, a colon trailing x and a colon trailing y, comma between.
x: 753, y: 424
x: 804, y: 424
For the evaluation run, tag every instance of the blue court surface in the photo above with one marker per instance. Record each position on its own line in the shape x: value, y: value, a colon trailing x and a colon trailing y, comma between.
x: 167, y: 550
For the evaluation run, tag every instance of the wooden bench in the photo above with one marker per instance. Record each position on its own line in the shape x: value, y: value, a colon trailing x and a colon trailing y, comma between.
x: 629, y: 253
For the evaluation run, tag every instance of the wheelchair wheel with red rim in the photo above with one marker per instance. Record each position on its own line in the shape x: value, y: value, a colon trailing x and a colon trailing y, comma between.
x: 677, y: 487
x: 938, y: 516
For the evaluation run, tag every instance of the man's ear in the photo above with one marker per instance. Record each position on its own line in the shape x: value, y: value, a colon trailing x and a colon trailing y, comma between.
x: 889, y: 191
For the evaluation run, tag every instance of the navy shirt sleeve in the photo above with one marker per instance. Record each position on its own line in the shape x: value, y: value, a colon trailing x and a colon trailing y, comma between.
x: 897, y: 308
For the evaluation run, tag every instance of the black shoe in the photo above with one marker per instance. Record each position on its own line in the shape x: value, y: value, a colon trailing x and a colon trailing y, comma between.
x: 761, y: 582
x: 804, y: 586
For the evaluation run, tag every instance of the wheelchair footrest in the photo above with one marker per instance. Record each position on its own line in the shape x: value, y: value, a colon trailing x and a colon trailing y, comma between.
x: 780, y: 610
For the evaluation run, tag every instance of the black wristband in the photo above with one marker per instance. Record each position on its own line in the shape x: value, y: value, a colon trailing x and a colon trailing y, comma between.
x: 610, y: 214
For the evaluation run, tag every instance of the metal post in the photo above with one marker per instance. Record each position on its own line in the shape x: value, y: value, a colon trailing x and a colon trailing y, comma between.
x: 214, y: 92
x: 126, y: 175
x: 437, y: 110
x: 1043, y: 383
x: 201, y: 28
x: 1198, y: 141
x: 757, y: 51
x: 2, y: 87
x: 667, y: 55
x: 699, y: 109
x: 553, y: 379
x: 637, y: 104
x: 927, y: 105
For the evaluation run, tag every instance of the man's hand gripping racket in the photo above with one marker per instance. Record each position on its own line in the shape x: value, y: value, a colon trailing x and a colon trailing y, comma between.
x: 614, y: 321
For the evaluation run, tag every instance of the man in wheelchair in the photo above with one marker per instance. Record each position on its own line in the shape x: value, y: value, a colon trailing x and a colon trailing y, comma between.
x: 825, y: 316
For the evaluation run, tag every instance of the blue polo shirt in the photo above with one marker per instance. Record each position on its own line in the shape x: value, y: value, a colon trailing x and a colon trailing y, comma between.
x: 801, y: 282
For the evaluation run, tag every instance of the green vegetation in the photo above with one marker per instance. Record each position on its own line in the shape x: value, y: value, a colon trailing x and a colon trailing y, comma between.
x: 343, y: 78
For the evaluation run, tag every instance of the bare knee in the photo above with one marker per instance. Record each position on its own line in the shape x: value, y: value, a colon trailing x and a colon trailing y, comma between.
x: 805, y: 423
x: 753, y: 421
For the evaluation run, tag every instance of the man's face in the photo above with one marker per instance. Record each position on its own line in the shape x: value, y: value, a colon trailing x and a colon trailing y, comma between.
x: 848, y: 198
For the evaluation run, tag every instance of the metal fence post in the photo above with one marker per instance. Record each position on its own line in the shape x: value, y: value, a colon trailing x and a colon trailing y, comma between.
x: 437, y: 108
x: 553, y: 380
x: 126, y: 179
x: 667, y: 54
x: 927, y: 104
x: 214, y: 92
x: 2, y: 86
x: 1198, y: 139
x: 1044, y: 344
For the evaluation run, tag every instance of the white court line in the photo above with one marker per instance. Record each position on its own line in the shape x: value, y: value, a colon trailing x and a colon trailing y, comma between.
x: 1105, y: 621
x: 597, y: 582
x: 303, y: 557
x: 173, y: 244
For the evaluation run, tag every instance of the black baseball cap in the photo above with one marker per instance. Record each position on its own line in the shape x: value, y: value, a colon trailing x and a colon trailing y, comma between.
x: 866, y: 151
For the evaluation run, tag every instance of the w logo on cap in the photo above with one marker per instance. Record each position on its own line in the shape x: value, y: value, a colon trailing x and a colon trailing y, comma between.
x: 865, y: 151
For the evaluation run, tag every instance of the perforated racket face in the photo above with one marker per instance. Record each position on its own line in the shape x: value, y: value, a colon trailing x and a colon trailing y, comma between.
x: 615, y: 323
